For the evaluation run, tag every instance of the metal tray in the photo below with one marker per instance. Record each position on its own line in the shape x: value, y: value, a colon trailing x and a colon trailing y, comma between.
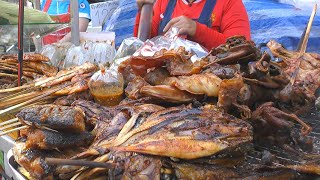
x: 14, y: 167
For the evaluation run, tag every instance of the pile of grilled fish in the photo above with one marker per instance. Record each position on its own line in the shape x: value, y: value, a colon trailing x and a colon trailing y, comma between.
x: 183, y: 120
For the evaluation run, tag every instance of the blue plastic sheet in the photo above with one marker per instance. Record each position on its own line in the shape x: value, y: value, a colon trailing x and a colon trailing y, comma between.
x: 285, y: 23
x: 122, y: 21
x: 269, y: 19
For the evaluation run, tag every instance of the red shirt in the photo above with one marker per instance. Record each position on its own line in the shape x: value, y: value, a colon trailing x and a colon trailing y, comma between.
x: 229, y: 18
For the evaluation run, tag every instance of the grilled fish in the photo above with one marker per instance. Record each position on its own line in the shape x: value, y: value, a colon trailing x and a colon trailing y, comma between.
x: 46, y: 139
x: 187, y: 133
x: 62, y: 118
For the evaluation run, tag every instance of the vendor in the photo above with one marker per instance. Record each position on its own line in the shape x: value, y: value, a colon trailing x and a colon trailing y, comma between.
x: 208, y: 22
x: 60, y: 11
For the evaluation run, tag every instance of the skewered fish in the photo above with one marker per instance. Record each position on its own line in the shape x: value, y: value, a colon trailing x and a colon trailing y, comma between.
x: 62, y: 118
x: 27, y: 57
x: 43, y: 68
x: 46, y: 139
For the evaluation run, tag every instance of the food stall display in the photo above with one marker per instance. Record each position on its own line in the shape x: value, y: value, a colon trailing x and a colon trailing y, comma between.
x: 231, y: 114
x: 234, y: 113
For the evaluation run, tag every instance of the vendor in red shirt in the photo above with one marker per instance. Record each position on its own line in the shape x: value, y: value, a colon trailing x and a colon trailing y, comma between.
x: 208, y: 22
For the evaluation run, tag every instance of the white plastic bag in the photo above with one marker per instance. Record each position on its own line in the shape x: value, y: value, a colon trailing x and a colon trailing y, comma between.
x: 171, y: 40
x: 97, y: 53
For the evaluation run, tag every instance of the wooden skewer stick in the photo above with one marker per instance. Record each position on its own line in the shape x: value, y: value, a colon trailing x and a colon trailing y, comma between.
x: 9, y: 126
x: 47, y: 93
x: 13, y: 130
x: 304, y: 44
x: 92, y: 164
x: 9, y: 121
x: 8, y: 75
x: 16, y: 88
x: 306, y: 37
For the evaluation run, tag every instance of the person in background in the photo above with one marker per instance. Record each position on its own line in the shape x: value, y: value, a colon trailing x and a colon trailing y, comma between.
x: 122, y: 21
x: 208, y: 22
x: 60, y: 11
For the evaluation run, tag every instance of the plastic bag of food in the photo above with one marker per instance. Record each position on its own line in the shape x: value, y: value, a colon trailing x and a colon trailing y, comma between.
x: 171, y: 40
x: 56, y: 52
x: 107, y: 87
x: 94, y: 52
x: 127, y: 48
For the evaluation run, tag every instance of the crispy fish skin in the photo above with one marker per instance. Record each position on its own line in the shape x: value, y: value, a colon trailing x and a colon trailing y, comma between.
x: 207, y: 84
x: 46, y: 139
x: 62, y: 118
x: 31, y: 160
x: 189, y: 134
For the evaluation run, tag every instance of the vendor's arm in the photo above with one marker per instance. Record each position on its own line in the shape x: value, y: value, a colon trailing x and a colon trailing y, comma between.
x: 83, y: 25
x: 155, y: 17
x: 84, y: 19
x: 234, y: 21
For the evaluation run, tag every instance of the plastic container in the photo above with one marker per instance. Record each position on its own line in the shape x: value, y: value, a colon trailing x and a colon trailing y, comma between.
x: 107, y: 87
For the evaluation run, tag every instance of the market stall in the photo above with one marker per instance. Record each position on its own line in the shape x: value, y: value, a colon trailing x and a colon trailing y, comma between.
x: 165, y: 108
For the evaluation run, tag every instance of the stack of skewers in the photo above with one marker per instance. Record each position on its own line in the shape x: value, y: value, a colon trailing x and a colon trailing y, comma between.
x: 34, y: 66
x: 43, y: 90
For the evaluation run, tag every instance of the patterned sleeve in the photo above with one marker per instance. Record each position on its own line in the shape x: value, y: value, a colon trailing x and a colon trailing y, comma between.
x: 84, y: 9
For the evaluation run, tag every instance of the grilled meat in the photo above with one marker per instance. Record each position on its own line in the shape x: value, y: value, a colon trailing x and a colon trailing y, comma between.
x: 207, y: 84
x: 62, y: 118
x: 167, y: 93
x: 33, y: 160
x: 133, y: 89
x: 141, y: 167
x: 178, y: 62
x: 187, y: 133
x: 46, y: 139
x: 27, y: 57
x: 69, y: 99
x: 43, y: 68
x: 222, y: 71
x: 157, y: 76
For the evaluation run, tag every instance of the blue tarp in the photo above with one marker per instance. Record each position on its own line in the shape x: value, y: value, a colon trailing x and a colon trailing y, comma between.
x: 122, y: 21
x: 285, y: 23
x: 269, y: 19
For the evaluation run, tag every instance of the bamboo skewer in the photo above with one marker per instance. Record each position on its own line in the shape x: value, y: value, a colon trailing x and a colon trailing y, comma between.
x: 306, y: 37
x: 16, y: 88
x: 8, y: 75
x: 13, y: 130
x: 48, y: 92
x: 9, y: 126
x: 18, y: 99
x: 304, y: 44
x: 9, y: 121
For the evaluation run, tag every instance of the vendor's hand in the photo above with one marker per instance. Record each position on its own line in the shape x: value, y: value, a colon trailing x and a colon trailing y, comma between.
x: 185, y: 25
x: 140, y: 3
